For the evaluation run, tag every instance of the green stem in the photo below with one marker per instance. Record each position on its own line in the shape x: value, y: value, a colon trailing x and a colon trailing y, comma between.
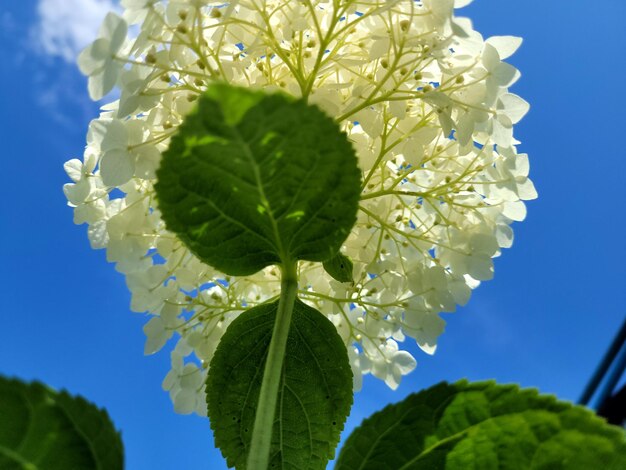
x: 259, y: 455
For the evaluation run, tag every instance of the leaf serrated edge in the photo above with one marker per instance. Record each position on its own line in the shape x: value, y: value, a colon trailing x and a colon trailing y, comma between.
x: 463, y: 386
x: 50, y: 397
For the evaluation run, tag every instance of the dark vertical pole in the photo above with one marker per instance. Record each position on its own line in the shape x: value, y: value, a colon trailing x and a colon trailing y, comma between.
x: 614, y: 408
x: 596, y: 379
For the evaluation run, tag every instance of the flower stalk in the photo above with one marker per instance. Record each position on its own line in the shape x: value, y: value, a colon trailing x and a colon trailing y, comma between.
x: 258, y: 457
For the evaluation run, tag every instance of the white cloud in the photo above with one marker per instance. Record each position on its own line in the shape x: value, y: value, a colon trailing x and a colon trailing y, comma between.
x: 65, y: 27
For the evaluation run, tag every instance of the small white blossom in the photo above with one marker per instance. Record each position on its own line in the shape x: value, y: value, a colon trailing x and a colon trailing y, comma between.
x: 79, y: 172
x: 99, y: 60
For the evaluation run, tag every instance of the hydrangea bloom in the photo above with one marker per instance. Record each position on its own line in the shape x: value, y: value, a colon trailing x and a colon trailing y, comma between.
x: 423, y: 97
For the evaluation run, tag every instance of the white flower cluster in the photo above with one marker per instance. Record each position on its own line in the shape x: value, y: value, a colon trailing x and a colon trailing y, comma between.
x: 423, y: 97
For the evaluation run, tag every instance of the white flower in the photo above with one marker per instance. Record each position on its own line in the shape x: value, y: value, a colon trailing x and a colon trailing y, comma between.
x: 424, y: 99
x: 136, y: 11
x: 185, y: 383
x: 99, y: 61
x: 389, y: 363
x: 79, y: 172
x: 156, y: 335
x: 505, y: 45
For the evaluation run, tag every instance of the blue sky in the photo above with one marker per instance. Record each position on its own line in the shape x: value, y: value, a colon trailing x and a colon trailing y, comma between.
x: 557, y: 299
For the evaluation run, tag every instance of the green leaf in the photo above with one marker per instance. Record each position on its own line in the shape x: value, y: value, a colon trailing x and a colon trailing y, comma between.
x: 252, y: 180
x: 43, y: 429
x: 340, y: 267
x: 478, y: 426
x: 315, y: 393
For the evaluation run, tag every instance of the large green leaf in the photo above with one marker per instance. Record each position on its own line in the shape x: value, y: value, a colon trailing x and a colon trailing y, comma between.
x: 482, y: 426
x: 315, y: 393
x: 43, y: 429
x: 252, y: 179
